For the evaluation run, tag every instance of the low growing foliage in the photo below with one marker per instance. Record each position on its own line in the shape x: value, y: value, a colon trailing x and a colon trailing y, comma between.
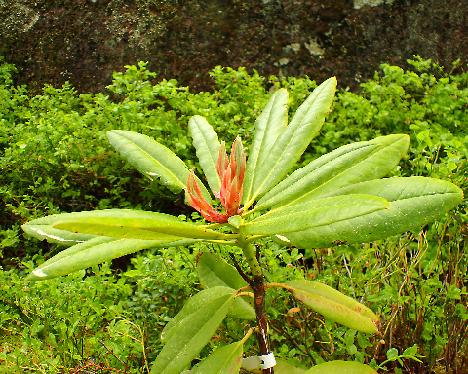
x: 54, y: 157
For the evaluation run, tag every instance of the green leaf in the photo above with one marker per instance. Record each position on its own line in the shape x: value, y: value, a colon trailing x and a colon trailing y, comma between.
x: 224, y: 360
x: 350, y: 164
x: 93, y: 252
x: 205, y: 141
x: 283, y: 367
x: 193, y: 306
x: 392, y: 354
x: 41, y: 228
x: 235, y: 221
x: 312, y: 215
x: 134, y: 224
x: 413, y: 202
x: 269, y: 125
x: 332, y: 304
x: 152, y: 159
x: 411, y: 351
x: 192, y: 329
x: 341, y: 367
x: 214, y: 271
x: 78, y: 248
x: 292, y: 142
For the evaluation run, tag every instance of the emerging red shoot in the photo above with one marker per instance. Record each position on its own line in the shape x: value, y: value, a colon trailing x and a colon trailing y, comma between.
x: 231, y: 172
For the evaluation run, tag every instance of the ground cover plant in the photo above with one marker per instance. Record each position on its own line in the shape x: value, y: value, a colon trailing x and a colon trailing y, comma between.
x: 412, y: 282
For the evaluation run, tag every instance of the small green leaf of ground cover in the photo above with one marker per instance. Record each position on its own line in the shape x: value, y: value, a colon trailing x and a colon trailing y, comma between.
x: 334, y: 305
x: 205, y: 141
x: 392, y: 354
x: 292, y: 142
x: 134, y: 224
x: 313, y: 215
x: 341, y: 367
x: 191, y: 332
x: 349, y: 164
x: 93, y: 252
x: 411, y: 351
x: 224, y: 360
x: 268, y: 126
x: 214, y: 271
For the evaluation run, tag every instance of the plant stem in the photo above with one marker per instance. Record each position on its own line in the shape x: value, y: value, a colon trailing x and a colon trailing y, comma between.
x: 250, y: 256
x: 258, y: 286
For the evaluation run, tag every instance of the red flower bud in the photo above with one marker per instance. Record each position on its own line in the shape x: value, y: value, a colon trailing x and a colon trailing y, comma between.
x: 231, y: 172
x: 198, y: 201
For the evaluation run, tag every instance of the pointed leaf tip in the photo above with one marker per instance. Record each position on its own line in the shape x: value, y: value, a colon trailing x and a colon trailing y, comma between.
x: 38, y: 273
x: 226, y: 360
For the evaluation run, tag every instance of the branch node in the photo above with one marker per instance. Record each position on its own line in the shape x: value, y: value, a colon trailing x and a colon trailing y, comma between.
x: 239, y: 270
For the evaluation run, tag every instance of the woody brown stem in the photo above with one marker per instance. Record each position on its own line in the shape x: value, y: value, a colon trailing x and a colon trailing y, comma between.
x: 257, y: 284
x: 239, y: 270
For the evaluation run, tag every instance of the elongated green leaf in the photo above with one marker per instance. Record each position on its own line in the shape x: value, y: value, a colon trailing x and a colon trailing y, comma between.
x: 413, y: 202
x: 341, y: 367
x: 93, y: 252
x: 334, y: 305
x: 224, y: 360
x: 350, y: 164
x: 152, y: 159
x: 190, y: 334
x: 313, y: 215
x: 41, y: 228
x: 193, y: 306
x: 134, y: 224
x: 214, y: 271
x: 205, y: 141
x: 291, y: 143
x: 269, y: 125
x: 78, y: 248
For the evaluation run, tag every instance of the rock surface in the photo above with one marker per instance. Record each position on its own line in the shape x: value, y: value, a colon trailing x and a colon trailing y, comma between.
x: 83, y: 41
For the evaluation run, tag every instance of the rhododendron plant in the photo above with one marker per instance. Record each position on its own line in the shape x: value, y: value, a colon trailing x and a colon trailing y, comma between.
x: 339, y: 197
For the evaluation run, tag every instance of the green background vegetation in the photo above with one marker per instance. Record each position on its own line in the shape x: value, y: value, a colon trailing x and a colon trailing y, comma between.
x: 54, y: 157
